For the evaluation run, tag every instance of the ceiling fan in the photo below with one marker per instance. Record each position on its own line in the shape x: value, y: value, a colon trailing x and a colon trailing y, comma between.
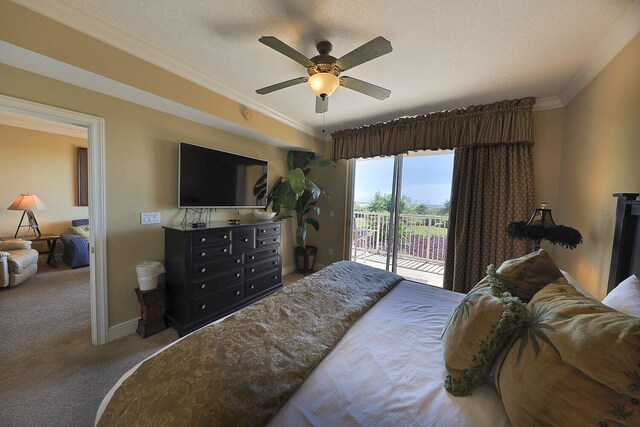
x: 324, y: 70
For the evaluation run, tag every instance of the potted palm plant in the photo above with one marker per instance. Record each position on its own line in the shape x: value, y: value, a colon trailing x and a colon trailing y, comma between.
x: 297, y: 192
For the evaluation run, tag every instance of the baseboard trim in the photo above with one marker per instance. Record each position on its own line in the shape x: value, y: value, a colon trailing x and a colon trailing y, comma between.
x: 288, y: 270
x: 122, y: 330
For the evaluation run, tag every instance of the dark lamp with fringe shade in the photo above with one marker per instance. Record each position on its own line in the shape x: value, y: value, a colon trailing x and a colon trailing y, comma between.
x: 542, y: 227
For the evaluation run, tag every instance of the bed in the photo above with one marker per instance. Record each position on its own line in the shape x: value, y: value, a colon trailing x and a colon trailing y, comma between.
x: 385, y: 368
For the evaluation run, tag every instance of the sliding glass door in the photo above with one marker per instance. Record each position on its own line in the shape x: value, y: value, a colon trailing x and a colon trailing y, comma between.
x: 401, y: 213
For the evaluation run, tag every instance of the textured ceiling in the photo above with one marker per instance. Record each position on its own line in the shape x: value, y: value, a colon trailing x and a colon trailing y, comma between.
x: 446, y: 54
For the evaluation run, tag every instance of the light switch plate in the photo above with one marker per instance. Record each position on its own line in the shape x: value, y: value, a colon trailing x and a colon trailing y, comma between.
x: 150, y: 218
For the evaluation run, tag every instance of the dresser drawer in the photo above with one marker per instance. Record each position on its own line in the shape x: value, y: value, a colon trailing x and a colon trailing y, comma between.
x: 265, y: 241
x: 203, y: 271
x: 262, y: 267
x: 202, y: 253
x: 261, y: 255
x: 262, y: 283
x: 244, y: 240
x: 211, y: 237
x: 216, y: 302
x: 215, y: 283
x: 268, y: 230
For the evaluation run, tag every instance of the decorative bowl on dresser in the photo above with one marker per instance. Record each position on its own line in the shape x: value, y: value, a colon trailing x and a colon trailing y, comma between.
x: 214, y: 271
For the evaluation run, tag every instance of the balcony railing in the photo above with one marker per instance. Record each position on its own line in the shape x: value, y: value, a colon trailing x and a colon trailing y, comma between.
x: 422, y: 237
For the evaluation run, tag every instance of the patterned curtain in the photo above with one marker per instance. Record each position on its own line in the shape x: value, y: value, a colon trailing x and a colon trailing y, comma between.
x: 492, y: 186
x: 503, y: 122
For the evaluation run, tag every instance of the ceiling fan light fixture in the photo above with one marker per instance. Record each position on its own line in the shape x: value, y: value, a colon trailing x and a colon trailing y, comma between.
x: 323, y: 84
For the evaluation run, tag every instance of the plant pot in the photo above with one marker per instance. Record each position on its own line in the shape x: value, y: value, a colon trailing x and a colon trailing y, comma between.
x: 305, y: 259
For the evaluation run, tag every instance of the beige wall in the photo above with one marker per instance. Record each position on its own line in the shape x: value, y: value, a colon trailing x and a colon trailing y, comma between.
x: 44, y: 164
x: 141, y: 155
x: 57, y: 41
x: 600, y: 157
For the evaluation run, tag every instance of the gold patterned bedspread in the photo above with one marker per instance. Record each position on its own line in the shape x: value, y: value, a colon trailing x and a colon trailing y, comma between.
x: 240, y: 371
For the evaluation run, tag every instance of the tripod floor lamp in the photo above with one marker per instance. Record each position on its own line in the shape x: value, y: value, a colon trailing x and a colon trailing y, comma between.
x: 28, y: 203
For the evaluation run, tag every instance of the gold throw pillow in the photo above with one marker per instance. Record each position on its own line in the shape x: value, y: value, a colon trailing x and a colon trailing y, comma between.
x: 476, y: 332
x: 525, y: 276
x: 574, y: 362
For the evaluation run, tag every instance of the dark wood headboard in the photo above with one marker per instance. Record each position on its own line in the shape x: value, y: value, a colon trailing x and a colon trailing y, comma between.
x: 625, y: 257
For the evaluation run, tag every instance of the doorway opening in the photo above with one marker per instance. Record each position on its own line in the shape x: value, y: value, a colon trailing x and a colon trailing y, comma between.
x: 400, y: 213
x: 96, y: 199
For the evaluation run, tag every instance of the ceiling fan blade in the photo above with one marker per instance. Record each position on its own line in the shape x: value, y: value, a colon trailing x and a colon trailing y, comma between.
x: 286, y: 50
x: 281, y: 85
x: 368, y: 51
x: 364, y: 87
x: 322, y: 105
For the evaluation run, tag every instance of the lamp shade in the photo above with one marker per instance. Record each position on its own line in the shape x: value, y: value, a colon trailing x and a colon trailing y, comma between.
x: 27, y: 202
x: 323, y: 84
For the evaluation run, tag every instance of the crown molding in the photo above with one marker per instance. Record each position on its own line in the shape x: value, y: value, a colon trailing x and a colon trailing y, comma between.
x: 36, y: 63
x: 547, y: 103
x: 618, y: 38
x: 9, y: 118
x: 88, y: 24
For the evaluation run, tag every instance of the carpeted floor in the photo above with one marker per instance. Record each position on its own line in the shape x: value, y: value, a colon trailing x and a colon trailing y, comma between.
x: 50, y: 373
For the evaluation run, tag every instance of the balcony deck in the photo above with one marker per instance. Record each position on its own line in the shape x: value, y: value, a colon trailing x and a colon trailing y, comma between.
x: 410, y: 268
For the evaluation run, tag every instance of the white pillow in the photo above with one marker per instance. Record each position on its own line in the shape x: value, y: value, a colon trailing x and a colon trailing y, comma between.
x: 625, y: 297
x: 576, y: 285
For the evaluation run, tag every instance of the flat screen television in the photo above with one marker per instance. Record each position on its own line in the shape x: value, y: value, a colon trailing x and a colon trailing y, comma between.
x: 209, y: 178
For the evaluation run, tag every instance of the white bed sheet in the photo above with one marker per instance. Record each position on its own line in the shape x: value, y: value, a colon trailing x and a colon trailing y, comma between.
x: 388, y: 370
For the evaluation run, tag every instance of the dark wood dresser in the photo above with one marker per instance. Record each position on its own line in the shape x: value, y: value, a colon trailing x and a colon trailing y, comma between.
x: 212, y: 272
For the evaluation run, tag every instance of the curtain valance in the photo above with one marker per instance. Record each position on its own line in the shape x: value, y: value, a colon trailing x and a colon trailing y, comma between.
x: 507, y: 121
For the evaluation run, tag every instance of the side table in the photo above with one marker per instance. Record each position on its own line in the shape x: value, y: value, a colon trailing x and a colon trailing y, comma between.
x: 151, y: 311
x: 51, y: 240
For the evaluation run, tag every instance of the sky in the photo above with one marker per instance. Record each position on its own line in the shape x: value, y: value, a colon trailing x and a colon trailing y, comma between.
x: 425, y: 179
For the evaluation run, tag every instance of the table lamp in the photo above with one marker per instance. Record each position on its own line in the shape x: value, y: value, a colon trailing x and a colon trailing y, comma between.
x: 28, y: 203
x: 542, y: 227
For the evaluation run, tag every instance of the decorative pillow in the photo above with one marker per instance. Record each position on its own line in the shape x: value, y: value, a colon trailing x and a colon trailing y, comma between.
x: 476, y: 332
x: 81, y: 230
x: 576, y: 285
x: 625, y: 297
x: 525, y: 276
x: 10, y: 245
x: 574, y: 362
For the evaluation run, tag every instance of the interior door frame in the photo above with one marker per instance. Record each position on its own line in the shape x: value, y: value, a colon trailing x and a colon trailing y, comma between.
x: 97, y: 201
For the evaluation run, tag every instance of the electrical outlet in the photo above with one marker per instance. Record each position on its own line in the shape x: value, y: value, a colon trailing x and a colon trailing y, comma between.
x: 149, y: 217
x: 329, y: 251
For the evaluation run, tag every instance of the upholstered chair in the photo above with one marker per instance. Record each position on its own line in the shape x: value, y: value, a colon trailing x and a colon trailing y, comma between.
x: 76, y: 244
x: 18, y: 262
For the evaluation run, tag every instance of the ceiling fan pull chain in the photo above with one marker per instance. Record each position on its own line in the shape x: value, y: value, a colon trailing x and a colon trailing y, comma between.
x: 324, y: 116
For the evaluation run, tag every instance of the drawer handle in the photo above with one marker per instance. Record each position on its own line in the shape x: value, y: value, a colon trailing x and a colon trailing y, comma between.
x: 203, y: 306
x: 275, y: 262
x: 237, y: 274
x: 275, y: 251
x: 238, y: 261
x: 263, y: 231
x: 204, y: 285
x: 224, y: 251
x: 253, y: 270
x: 203, y: 254
x: 204, y: 239
x: 225, y: 237
x: 253, y: 257
x: 263, y: 242
x: 275, y: 229
x: 237, y: 292
x: 275, y: 277
x: 275, y: 240
x: 202, y: 270
x: 245, y: 240
x: 252, y: 286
